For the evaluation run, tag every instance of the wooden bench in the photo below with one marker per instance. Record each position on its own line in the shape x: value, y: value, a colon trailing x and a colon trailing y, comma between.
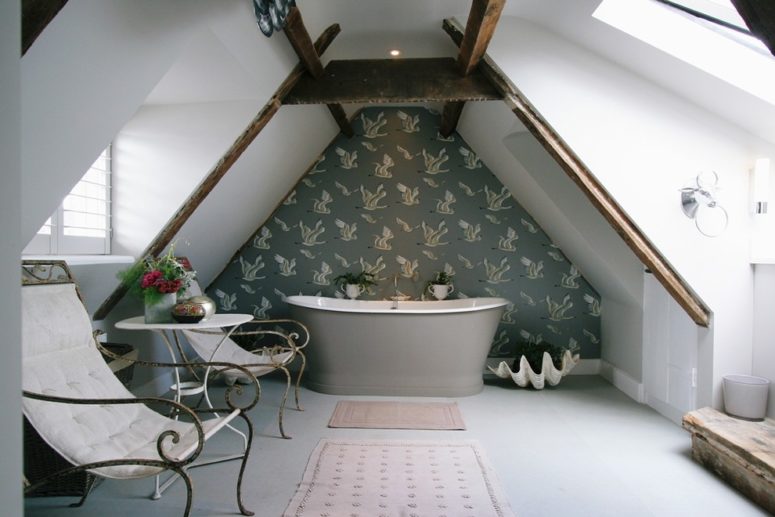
x: 739, y: 451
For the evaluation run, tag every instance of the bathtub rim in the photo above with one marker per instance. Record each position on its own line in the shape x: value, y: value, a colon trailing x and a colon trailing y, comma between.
x: 456, y: 305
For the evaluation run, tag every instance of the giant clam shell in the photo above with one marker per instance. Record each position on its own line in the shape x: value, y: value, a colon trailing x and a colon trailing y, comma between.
x: 549, y: 373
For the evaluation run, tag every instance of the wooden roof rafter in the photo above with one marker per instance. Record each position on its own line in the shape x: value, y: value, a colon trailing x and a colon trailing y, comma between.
x: 600, y: 198
x: 301, y: 42
x: 480, y: 27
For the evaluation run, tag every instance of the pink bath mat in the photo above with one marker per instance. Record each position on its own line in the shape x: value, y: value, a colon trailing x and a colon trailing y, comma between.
x: 367, y: 414
x: 399, y: 478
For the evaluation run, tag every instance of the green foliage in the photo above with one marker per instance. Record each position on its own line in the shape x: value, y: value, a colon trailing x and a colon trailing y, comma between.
x: 441, y: 278
x: 153, y: 277
x: 534, y: 352
x: 362, y: 279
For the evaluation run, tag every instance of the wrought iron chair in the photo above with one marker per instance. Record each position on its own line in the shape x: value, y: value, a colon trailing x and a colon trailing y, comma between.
x: 79, y: 407
x: 267, y: 346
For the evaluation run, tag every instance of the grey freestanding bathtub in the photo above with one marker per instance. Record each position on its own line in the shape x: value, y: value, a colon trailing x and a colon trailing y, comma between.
x: 363, y: 347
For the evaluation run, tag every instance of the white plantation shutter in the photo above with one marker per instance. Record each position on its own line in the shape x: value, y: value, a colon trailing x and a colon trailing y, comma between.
x: 81, y: 224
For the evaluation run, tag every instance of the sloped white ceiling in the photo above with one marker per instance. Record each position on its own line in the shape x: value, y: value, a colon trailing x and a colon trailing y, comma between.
x: 572, y: 20
x: 186, y: 82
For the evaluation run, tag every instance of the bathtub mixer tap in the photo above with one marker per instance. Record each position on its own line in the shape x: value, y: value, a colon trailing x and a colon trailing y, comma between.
x: 398, y: 296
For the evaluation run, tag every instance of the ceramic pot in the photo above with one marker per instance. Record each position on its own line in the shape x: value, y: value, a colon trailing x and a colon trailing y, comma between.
x: 161, y: 311
x: 440, y: 291
x: 188, y: 312
x: 352, y: 291
x: 206, y: 302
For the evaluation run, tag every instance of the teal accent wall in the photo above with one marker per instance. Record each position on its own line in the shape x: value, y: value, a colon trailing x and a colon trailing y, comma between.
x: 401, y: 202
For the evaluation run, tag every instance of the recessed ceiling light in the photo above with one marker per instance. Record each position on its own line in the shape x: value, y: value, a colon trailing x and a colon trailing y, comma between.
x: 395, y: 52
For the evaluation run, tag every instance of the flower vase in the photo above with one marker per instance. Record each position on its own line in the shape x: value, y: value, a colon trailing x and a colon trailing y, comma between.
x: 161, y: 311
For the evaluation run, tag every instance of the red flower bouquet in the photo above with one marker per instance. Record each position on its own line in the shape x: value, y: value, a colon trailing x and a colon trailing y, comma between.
x: 152, y: 278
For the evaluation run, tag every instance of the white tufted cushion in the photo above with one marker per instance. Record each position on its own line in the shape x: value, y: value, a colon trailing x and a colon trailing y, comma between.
x: 60, y: 358
x: 230, y: 352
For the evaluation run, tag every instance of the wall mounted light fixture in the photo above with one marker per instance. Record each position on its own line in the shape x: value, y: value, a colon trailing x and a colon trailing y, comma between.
x: 698, y: 203
x: 271, y: 15
x: 761, y: 185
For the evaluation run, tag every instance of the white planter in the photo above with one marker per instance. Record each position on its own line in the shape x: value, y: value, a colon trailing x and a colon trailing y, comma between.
x: 440, y: 291
x: 548, y: 373
x: 745, y: 396
x: 353, y: 291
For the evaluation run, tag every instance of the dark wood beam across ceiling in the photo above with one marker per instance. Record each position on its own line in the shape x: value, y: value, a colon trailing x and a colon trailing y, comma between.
x: 219, y: 170
x: 482, y: 20
x: 302, y: 43
x: 380, y: 81
x: 577, y: 171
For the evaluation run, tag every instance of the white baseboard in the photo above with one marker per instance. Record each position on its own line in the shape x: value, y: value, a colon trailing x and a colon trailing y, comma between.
x: 584, y: 367
x: 666, y: 410
x: 622, y: 381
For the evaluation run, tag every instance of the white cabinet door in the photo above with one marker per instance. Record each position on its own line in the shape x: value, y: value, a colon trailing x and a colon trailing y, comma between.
x: 669, y: 353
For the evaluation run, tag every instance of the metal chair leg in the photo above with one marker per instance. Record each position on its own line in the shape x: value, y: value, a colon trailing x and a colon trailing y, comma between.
x: 89, y: 485
x: 189, y: 489
x: 241, y: 505
x: 285, y: 397
x: 298, y: 378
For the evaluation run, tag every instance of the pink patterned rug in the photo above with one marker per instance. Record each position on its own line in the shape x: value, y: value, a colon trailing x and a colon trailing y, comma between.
x: 398, y: 478
x: 368, y: 414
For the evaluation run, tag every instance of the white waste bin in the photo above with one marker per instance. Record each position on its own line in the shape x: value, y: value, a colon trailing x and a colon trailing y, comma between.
x: 745, y: 396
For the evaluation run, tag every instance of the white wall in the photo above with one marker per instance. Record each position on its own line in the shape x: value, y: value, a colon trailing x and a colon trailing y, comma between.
x: 255, y: 186
x: 764, y: 328
x: 210, y: 93
x: 160, y: 156
x: 644, y: 144
x: 163, y: 153
x: 537, y: 182
x: 10, y: 314
x: 84, y: 78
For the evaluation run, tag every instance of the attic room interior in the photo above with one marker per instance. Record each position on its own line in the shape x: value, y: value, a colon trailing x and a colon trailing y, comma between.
x: 588, y: 177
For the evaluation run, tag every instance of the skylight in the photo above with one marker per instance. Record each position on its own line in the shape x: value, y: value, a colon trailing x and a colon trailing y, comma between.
x: 733, y: 57
x: 722, y: 11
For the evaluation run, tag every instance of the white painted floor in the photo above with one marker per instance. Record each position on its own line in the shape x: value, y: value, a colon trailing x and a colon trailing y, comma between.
x: 580, y: 449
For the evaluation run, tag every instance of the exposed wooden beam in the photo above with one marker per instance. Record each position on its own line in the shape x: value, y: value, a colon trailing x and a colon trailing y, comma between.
x: 379, y: 81
x: 36, y: 15
x: 759, y: 15
x: 337, y: 111
x: 482, y: 19
x: 168, y: 232
x: 450, y: 116
x: 480, y: 27
x: 302, y: 43
x: 567, y: 159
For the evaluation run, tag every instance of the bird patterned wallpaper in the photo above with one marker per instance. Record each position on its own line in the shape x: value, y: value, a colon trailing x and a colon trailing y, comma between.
x: 402, y: 202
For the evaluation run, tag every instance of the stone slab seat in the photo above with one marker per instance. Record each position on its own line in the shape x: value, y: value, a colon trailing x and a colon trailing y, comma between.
x: 60, y: 358
x: 739, y: 451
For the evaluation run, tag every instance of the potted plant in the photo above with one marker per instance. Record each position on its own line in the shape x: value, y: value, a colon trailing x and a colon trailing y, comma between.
x: 440, y: 286
x: 353, y: 284
x: 158, y: 280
